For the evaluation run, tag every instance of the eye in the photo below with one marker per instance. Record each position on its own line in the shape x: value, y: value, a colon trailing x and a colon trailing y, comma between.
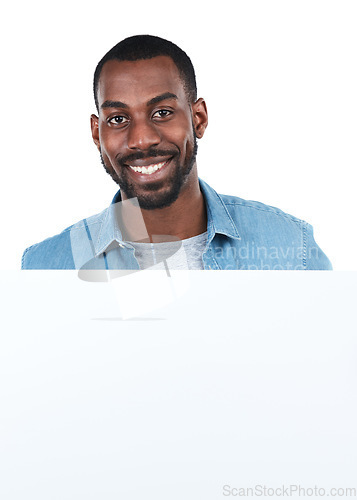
x: 162, y: 113
x: 117, y: 120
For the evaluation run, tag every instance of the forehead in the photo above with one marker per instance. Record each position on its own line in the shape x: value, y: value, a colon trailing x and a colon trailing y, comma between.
x: 131, y: 81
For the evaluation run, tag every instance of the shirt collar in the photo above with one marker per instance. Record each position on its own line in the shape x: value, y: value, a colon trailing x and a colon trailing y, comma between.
x: 109, y: 230
x: 218, y: 220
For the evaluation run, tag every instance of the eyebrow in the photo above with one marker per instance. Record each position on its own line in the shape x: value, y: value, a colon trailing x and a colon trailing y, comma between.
x: 162, y: 97
x: 114, y: 104
x: 154, y: 100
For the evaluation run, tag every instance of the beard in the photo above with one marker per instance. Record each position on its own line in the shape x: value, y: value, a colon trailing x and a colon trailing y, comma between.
x: 152, y: 196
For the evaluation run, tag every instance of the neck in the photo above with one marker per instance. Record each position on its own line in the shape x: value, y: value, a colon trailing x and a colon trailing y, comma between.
x: 183, y: 219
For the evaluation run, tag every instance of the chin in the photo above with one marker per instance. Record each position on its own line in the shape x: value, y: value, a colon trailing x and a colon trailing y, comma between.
x: 153, y: 201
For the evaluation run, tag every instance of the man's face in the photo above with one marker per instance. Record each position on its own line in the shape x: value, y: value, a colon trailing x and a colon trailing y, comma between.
x: 146, y: 129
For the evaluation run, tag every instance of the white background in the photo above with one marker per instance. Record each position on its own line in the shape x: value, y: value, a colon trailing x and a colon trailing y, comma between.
x: 279, y: 79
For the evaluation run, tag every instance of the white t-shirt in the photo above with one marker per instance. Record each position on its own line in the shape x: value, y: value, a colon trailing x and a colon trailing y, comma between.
x: 184, y: 254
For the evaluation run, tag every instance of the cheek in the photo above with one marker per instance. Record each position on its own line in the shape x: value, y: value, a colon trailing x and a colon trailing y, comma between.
x: 189, y: 143
x: 182, y: 136
x: 109, y: 144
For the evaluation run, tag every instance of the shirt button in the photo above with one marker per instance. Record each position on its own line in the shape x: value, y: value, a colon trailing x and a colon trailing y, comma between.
x: 121, y: 246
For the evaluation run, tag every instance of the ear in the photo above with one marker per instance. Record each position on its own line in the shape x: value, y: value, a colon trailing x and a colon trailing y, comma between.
x: 95, y: 130
x: 199, y: 117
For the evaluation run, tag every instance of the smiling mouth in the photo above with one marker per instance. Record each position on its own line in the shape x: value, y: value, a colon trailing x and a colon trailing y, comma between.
x: 148, y: 169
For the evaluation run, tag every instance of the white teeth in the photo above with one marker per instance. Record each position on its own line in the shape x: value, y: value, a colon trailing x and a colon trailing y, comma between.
x: 149, y: 169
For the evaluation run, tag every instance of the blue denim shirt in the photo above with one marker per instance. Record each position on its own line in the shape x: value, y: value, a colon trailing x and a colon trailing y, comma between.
x: 241, y: 234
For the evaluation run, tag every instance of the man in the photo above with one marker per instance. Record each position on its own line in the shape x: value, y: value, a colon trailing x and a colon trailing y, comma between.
x: 148, y: 123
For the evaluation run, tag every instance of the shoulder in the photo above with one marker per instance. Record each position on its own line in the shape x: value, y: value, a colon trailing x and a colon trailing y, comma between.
x: 56, y: 252
x: 276, y: 231
x: 244, y: 209
x: 255, y: 210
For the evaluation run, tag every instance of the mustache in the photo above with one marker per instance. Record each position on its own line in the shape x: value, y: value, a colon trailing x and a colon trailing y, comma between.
x: 122, y: 161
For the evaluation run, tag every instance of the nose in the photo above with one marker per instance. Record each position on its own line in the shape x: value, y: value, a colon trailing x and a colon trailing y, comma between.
x: 142, y: 134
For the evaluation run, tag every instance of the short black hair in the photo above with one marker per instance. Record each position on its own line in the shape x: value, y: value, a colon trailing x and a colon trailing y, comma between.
x: 138, y: 47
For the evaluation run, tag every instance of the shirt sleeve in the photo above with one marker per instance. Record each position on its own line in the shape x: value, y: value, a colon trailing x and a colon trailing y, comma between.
x: 316, y: 259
